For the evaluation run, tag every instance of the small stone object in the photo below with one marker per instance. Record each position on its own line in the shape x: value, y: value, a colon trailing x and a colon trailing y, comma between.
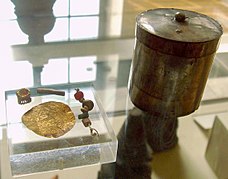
x: 86, y: 122
x: 83, y: 115
x: 88, y: 104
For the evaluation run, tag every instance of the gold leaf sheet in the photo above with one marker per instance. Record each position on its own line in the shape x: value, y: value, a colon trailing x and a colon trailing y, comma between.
x: 50, y: 119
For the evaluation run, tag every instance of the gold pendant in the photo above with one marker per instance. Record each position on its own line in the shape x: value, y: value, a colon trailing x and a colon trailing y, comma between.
x: 50, y: 119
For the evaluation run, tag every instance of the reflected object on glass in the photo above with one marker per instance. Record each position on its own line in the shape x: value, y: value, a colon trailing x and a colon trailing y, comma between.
x: 23, y: 96
x: 139, y: 138
x: 35, y: 18
x: 161, y: 131
x: 216, y: 152
x: 87, y: 105
x: 134, y: 155
x: 173, y: 55
x: 50, y: 119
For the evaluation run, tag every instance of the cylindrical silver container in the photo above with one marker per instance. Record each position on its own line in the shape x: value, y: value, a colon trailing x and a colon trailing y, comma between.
x: 173, y: 55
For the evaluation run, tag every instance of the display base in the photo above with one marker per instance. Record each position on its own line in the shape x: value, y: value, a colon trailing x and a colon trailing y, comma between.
x: 30, y: 153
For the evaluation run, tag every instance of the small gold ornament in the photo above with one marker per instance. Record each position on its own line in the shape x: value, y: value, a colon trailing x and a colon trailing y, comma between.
x: 23, y: 96
x: 50, y: 119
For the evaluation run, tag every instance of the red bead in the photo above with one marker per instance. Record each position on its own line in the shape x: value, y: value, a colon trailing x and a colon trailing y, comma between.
x: 78, y: 95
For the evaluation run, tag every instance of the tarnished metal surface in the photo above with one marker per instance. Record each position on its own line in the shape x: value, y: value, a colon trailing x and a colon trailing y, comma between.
x: 172, y: 60
x: 163, y: 23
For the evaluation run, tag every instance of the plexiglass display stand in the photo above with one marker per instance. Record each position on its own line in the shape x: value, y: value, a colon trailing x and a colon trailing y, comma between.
x: 30, y: 153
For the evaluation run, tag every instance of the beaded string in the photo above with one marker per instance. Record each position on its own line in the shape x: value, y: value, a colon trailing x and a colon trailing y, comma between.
x: 87, y: 105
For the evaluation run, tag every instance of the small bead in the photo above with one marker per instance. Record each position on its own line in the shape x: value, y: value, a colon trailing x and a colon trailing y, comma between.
x: 86, y: 122
x: 78, y: 95
x: 88, y: 103
x: 84, y: 109
x: 83, y: 115
x: 81, y: 100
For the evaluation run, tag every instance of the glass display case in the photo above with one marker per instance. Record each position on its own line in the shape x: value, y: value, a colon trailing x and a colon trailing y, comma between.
x: 32, y: 153
x: 82, y: 45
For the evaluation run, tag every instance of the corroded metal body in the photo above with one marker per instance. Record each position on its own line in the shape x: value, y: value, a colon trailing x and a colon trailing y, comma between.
x: 172, y: 58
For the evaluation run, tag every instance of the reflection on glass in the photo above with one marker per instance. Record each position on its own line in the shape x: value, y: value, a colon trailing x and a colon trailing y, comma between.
x: 7, y: 10
x: 84, y: 7
x: 84, y: 27
x: 59, y: 32
x: 55, y: 72
x: 18, y: 74
x: 83, y: 69
x: 115, y: 26
x: 114, y: 18
x: 11, y: 33
x: 61, y: 8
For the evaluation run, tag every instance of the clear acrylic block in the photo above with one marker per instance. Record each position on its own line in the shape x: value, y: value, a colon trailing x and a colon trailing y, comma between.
x: 31, y: 153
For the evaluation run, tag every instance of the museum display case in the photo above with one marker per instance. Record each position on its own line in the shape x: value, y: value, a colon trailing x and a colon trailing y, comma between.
x: 31, y: 152
x: 91, y: 48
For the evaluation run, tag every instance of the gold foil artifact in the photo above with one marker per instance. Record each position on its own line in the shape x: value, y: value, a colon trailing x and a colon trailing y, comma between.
x: 50, y: 119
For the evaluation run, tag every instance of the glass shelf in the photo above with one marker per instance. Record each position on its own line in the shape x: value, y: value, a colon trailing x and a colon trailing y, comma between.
x: 31, y: 153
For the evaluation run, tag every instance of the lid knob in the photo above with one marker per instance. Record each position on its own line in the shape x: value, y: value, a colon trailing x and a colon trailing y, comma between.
x: 180, y: 17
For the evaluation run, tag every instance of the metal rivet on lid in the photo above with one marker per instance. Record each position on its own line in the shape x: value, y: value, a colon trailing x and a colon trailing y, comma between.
x: 180, y: 17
